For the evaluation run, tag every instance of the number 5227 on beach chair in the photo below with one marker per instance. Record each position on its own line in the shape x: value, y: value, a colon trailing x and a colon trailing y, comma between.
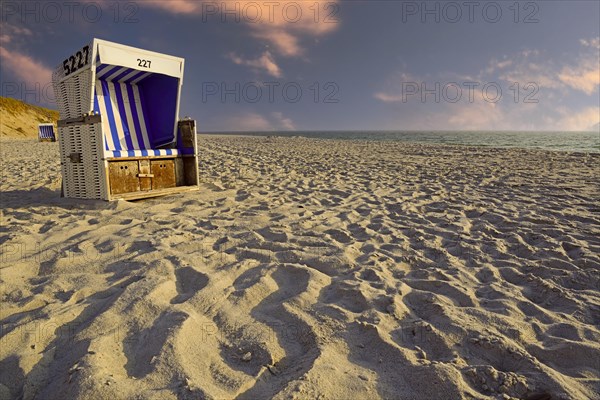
x: 120, y: 136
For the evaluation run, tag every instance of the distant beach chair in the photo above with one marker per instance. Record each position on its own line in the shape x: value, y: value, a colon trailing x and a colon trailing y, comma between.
x: 120, y: 136
x: 46, y: 133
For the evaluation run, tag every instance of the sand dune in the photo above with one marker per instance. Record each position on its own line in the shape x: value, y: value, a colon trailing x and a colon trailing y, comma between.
x: 307, y: 269
x: 20, y: 120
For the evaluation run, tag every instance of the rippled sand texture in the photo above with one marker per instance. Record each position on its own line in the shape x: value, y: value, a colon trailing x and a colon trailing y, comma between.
x: 307, y: 269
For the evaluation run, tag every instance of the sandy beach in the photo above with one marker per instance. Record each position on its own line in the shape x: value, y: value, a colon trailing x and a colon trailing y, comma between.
x: 307, y: 269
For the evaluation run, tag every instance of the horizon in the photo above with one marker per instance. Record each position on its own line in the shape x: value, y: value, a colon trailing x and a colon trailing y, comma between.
x: 402, y: 130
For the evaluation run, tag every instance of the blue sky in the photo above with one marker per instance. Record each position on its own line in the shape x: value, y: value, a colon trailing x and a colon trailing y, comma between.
x: 337, y: 65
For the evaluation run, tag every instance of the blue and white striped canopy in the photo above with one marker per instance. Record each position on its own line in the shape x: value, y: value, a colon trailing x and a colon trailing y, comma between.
x: 120, y: 97
x: 125, y: 121
x: 114, y: 73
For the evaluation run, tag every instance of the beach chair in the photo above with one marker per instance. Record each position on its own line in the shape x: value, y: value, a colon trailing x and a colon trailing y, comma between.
x: 46, y: 133
x: 120, y: 137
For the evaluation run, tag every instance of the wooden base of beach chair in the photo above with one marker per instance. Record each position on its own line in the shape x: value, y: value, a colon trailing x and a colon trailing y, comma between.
x: 137, y: 177
x: 153, y: 193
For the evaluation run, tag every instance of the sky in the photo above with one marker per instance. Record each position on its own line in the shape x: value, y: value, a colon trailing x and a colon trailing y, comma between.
x: 336, y: 65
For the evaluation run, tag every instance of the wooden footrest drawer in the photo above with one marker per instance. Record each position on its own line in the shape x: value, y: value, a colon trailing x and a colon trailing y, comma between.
x: 141, y: 175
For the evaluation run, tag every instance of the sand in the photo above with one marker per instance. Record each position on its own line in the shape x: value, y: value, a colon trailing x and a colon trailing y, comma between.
x: 307, y: 269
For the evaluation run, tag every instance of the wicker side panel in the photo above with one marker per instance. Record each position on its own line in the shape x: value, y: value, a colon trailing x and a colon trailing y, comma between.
x: 81, y: 162
x: 93, y: 154
x: 73, y: 95
x: 72, y: 173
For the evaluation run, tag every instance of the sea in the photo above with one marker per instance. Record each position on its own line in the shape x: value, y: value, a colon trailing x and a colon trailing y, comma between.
x: 587, y: 142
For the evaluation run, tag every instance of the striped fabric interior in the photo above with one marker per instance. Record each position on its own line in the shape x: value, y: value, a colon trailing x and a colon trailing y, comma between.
x: 119, y: 101
x: 46, y: 132
x: 113, y: 73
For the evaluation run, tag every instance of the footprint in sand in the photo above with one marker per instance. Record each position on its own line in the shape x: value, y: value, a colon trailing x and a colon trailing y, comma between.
x: 143, y: 348
x: 272, y: 236
x: 294, y: 335
x: 47, y: 226
x: 339, y: 236
x: 189, y: 281
x: 346, y: 295
x: 241, y: 195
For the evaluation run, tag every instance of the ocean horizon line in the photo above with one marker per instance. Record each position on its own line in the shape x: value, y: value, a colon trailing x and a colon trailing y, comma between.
x: 576, y: 141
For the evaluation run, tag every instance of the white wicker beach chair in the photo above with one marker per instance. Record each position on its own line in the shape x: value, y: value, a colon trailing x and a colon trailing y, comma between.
x: 119, y: 131
x: 46, y: 133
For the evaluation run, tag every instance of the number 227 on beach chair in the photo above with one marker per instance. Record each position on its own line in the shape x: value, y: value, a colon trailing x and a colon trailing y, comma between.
x: 120, y: 137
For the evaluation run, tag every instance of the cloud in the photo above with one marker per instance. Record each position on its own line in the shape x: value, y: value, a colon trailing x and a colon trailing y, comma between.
x: 252, y: 121
x: 279, y: 22
x: 582, y: 74
x: 25, y: 67
x: 584, y: 120
x: 482, y: 116
x: 496, y: 65
x: 387, y: 98
x: 264, y: 62
x: 13, y: 33
x: 176, y: 6
x: 397, y: 82
x: 476, y: 116
x: 19, y: 64
x: 247, y: 121
x: 281, y: 25
x: 504, y: 64
x: 284, y: 42
x: 10, y: 32
x: 525, y: 67
x: 558, y: 82
x: 283, y: 122
x: 284, y: 26
x: 593, y: 43
x: 586, y: 81
x: 540, y: 74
